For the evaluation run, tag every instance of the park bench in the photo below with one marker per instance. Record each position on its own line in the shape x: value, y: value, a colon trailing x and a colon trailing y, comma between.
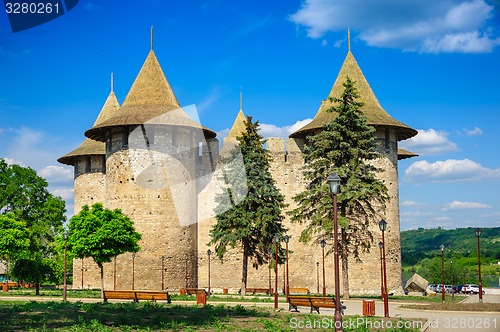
x: 195, y: 291
x: 136, y: 295
x: 313, y: 302
x: 298, y: 290
x: 10, y: 284
x: 255, y: 290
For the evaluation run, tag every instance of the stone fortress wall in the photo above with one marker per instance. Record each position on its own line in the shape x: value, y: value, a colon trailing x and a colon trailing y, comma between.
x: 179, y: 248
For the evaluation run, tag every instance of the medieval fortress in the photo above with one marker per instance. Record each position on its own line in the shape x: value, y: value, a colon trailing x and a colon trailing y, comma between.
x: 148, y: 158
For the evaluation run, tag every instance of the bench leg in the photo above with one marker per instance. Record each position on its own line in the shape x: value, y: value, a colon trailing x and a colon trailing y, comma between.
x: 290, y: 306
x: 314, y: 308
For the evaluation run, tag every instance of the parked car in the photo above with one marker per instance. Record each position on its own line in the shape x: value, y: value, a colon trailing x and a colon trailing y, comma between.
x: 448, y: 288
x: 439, y: 288
x: 458, y: 289
x: 432, y: 287
x: 471, y: 289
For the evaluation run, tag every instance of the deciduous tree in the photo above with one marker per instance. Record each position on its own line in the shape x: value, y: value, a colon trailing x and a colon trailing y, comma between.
x: 102, y: 234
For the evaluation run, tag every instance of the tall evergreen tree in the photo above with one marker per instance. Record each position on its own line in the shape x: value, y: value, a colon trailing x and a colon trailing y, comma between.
x: 346, y: 145
x: 251, y: 222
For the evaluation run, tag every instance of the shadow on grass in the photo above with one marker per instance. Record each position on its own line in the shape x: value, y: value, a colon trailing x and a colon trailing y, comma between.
x: 22, y: 316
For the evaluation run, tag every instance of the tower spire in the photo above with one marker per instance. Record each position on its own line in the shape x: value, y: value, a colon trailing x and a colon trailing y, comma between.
x: 349, y: 39
x: 241, y: 98
x: 112, y: 82
x: 152, y: 36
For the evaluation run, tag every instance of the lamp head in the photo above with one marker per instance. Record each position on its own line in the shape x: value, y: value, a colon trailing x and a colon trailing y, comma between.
x: 334, y: 183
x: 442, y: 247
x: 380, y: 245
x: 322, y: 243
x: 277, y: 238
x: 286, y: 238
x: 66, y: 235
x: 382, y: 225
x: 478, y: 232
x: 317, y: 263
x: 209, y: 252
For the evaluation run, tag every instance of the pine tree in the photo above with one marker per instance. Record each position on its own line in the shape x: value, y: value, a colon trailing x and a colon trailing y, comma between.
x: 251, y: 222
x: 346, y: 145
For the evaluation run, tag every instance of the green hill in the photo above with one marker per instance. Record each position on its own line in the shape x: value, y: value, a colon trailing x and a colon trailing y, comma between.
x: 420, y: 251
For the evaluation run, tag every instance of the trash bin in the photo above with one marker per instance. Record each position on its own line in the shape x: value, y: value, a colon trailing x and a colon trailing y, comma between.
x: 224, y: 291
x: 201, y: 298
x: 368, y: 308
x: 182, y: 291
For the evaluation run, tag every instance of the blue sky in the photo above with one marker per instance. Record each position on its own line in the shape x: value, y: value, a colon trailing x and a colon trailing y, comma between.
x: 434, y: 65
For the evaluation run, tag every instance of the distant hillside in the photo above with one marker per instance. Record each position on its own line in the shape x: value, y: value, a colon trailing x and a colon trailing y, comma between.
x: 462, y: 242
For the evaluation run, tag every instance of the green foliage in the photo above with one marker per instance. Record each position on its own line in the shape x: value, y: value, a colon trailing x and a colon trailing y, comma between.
x: 101, y: 234
x: 253, y: 221
x: 25, y: 196
x: 14, y: 237
x: 346, y: 145
x: 36, y: 270
x: 421, y: 248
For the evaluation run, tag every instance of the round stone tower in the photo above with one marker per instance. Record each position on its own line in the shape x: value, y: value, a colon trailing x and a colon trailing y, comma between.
x: 388, y: 132
x: 153, y: 157
x: 89, y: 188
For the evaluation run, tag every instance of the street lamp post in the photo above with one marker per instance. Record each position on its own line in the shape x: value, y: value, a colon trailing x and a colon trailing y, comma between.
x: 65, y: 286
x: 382, y: 286
x: 334, y: 184
x: 187, y: 275
x: 276, y: 241
x: 465, y: 276
x: 323, y: 244
x: 209, y: 252
x: 317, y: 277
x: 287, y: 238
x: 162, y: 272
x: 133, y: 269
x: 478, y: 233
x: 452, y: 280
x: 383, y: 226
x: 114, y: 274
x: 442, y: 274
x: 82, y: 273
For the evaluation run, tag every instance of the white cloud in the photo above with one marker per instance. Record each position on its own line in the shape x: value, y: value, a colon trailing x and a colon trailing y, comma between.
x: 65, y: 194
x: 409, y: 203
x: 457, y: 205
x: 450, y: 170
x: 472, y: 132
x: 56, y: 174
x: 270, y: 130
x: 412, y: 25
x: 429, y: 142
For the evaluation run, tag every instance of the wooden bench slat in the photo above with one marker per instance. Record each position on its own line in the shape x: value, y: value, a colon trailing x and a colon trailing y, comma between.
x: 314, y: 303
x: 136, y: 295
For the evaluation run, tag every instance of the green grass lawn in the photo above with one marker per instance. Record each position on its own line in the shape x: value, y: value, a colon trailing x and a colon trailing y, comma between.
x: 78, y: 316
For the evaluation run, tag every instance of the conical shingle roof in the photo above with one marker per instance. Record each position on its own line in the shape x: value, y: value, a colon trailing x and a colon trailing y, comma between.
x: 238, y: 126
x: 372, y: 109
x: 149, y: 97
x: 90, y: 147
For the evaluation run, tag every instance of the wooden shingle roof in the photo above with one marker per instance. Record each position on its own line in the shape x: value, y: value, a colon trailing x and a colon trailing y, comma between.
x: 149, y: 97
x: 89, y: 146
x: 372, y: 110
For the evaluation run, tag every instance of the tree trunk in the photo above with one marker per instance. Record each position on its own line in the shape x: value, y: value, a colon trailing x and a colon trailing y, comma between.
x: 345, y: 264
x: 244, y: 271
x: 37, y: 288
x: 101, y: 267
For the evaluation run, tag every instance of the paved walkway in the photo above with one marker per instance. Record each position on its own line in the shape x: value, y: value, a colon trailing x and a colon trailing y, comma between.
x: 436, y: 320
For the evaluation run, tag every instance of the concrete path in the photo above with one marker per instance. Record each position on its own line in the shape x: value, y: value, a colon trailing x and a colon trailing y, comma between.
x: 436, y: 320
